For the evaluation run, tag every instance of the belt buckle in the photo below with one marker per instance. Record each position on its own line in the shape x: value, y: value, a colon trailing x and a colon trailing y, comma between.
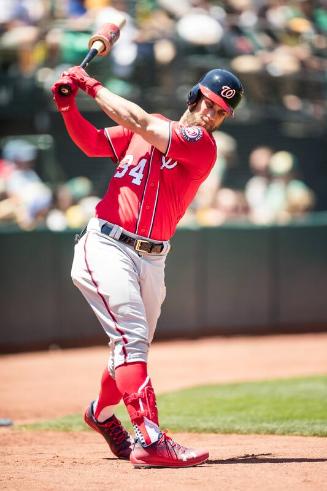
x: 139, y: 246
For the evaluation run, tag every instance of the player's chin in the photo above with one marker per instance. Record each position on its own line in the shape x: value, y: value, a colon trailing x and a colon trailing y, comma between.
x: 209, y: 127
x: 205, y: 125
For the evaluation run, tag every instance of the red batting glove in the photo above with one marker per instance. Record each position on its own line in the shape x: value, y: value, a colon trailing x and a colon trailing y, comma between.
x: 64, y: 102
x: 90, y: 85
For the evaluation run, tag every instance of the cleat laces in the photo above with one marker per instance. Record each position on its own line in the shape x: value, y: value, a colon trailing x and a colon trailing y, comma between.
x: 115, y: 431
x: 171, y: 444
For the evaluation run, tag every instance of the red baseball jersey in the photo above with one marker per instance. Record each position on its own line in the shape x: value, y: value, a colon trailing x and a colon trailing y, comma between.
x: 150, y: 191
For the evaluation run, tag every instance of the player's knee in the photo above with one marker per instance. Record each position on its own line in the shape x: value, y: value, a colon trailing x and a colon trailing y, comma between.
x: 128, y: 351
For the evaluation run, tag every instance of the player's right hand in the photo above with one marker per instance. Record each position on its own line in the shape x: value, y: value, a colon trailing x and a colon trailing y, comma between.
x: 64, y: 102
x: 90, y: 85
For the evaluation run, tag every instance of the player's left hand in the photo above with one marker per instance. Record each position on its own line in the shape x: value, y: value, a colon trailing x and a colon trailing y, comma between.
x: 64, y: 102
x: 90, y: 85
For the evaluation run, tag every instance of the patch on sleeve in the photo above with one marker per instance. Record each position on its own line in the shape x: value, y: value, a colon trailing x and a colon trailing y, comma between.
x: 191, y: 133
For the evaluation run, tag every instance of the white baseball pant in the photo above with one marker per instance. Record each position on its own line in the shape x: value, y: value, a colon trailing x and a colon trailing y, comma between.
x: 124, y: 289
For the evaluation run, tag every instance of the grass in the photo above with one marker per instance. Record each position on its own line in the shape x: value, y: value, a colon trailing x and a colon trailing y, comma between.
x: 296, y: 406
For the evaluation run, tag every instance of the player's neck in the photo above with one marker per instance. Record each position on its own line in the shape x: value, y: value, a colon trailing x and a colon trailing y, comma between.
x: 187, y: 118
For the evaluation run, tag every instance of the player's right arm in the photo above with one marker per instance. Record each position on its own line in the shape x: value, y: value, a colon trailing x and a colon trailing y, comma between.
x: 131, y: 116
x: 154, y: 130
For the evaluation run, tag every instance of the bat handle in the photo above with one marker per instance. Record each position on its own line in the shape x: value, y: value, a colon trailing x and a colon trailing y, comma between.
x: 89, y: 57
x: 65, y: 89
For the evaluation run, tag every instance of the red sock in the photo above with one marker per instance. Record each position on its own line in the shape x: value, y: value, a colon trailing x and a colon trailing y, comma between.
x: 109, y: 393
x: 131, y: 376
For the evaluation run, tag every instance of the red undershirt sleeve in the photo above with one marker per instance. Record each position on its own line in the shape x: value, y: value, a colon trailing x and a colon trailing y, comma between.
x: 88, y: 138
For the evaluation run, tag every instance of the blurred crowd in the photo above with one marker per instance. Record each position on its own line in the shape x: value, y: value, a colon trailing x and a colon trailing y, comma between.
x: 273, y: 192
x: 277, y: 47
x: 28, y: 202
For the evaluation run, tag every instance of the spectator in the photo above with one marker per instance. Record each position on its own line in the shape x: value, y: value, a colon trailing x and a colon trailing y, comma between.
x: 73, y: 205
x: 276, y: 194
x: 257, y: 185
x: 226, y: 159
x: 229, y: 206
x: 215, y: 203
x: 27, y: 199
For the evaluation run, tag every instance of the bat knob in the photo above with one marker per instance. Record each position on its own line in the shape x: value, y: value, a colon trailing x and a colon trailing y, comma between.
x: 64, y: 89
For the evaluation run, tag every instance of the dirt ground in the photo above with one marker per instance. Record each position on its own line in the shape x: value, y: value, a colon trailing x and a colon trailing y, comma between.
x: 36, y: 386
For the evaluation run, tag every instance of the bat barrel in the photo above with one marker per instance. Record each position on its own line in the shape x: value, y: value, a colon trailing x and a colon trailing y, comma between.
x: 99, y: 44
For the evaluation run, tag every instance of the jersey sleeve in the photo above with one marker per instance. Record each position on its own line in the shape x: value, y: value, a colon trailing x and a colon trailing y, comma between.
x: 119, y: 138
x: 193, y: 147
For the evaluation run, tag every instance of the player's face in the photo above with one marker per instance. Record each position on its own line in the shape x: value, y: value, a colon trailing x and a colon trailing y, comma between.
x: 208, y: 114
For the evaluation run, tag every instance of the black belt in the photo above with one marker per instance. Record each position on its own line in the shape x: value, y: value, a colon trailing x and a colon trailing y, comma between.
x: 140, y: 245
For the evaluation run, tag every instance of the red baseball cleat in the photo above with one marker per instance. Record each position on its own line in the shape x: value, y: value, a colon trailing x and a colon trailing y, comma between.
x: 166, y: 453
x: 119, y: 441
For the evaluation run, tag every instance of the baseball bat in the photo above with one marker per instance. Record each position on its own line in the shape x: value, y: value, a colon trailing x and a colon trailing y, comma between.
x: 100, y: 43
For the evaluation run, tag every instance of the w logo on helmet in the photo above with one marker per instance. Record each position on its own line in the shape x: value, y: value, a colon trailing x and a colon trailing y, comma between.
x: 227, y: 92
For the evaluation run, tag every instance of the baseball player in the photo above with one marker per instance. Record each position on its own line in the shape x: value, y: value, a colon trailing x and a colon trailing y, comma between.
x: 120, y: 257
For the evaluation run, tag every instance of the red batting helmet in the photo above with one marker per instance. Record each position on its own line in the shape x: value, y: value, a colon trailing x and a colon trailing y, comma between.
x: 221, y: 87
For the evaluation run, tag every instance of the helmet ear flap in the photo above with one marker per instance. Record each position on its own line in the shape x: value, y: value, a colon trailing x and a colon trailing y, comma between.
x: 193, y: 95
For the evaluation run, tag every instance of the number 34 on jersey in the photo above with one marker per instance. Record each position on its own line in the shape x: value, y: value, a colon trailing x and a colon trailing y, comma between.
x: 136, y: 172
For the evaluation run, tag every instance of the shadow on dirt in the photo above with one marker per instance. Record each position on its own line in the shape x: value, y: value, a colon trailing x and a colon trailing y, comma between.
x: 263, y: 459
